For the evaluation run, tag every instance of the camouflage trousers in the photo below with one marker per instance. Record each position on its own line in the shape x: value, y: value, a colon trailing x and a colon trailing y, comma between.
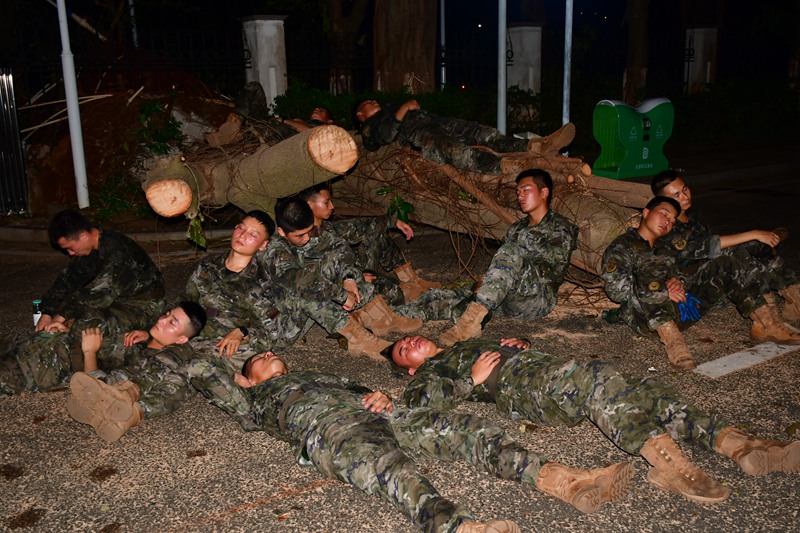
x: 438, y: 304
x: 375, y: 453
x: 552, y: 391
x: 513, y: 287
x: 763, y: 258
x: 376, y: 248
x: 717, y: 281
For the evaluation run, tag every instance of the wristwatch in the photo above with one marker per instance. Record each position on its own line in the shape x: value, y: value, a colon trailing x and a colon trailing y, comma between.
x: 244, y: 331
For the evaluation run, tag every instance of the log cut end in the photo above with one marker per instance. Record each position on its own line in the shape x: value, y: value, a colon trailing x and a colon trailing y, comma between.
x: 332, y: 148
x: 169, y: 197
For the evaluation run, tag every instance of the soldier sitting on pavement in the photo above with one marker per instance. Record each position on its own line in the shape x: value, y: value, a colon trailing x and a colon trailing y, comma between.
x: 373, y: 246
x: 110, y: 283
x: 523, y: 278
x: 321, y: 273
x: 693, y: 243
x: 352, y: 434
x: 148, y: 387
x: 656, y: 296
x: 639, y: 416
x: 448, y: 141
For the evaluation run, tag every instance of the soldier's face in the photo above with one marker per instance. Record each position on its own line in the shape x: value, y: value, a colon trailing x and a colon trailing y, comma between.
x: 79, y: 246
x: 299, y: 237
x: 679, y: 191
x: 265, y: 366
x: 529, y: 196
x: 322, y: 115
x: 321, y: 205
x: 366, y: 109
x: 249, y: 236
x: 171, y: 327
x: 659, y: 220
x: 410, y: 352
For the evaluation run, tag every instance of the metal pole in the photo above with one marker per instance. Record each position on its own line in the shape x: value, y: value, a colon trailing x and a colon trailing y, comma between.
x: 443, y: 68
x: 73, y: 111
x: 567, y: 62
x: 134, y: 33
x: 501, y: 66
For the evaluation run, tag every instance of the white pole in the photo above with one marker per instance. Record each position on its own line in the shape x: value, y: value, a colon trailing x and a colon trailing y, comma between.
x: 443, y: 68
x: 501, y: 66
x: 73, y: 111
x: 134, y: 33
x: 567, y: 62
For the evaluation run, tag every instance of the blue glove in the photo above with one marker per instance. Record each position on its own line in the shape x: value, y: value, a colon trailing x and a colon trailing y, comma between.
x: 690, y: 309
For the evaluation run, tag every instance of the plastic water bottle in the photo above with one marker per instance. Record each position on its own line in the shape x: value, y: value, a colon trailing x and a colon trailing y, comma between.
x: 37, y: 311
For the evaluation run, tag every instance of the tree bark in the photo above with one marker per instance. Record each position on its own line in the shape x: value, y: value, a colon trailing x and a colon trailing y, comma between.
x: 635, y: 78
x: 343, y: 40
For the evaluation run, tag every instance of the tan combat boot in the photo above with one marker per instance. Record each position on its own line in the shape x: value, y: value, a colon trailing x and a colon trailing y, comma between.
x: 673, y: 471
x: 550, y: 145
x: 758, y: 457
x: 791, y: 305
x: 677, y: 352
x: 411, y: 284
x: 91, y: 394
x: 768, y: 327
x: 586, y: 490
x: 377, y: 317
x: 362, y: 342
x: 113, y: 430
x: 467, y: 327
x: 495, y: 526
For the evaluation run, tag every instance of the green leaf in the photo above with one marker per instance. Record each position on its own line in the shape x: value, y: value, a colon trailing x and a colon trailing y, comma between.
x: 383, y: 191
x: 195, y: 232
x: 400, y: 208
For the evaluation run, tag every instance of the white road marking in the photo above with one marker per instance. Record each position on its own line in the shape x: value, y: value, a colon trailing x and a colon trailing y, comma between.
x: 745, y: 359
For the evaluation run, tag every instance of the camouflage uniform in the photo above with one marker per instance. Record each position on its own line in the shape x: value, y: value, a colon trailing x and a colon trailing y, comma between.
x: 234, y: 299
x: 523, y: 278
x: 693, y: 244
x: 438, y: 304
x: 446, y: 141
x: 161, y: 389
x: 635, y: 277
x: 547, y: 390
x: 321, y: 416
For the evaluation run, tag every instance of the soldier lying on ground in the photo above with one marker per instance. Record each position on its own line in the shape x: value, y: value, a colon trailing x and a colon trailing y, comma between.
x: 318, y: 117
x: 692, y: 242
x: 641, y: 417
x: 448, y: 141
x: 320, y: 273
x: 523, y: 278
x: 657, y: 296
x: 148, y: 387
x: 352, y: 434
x: 373, y: 246
x: 110, y: 283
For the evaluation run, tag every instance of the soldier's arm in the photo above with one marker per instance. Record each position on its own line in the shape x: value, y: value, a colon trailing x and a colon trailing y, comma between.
x: 766, y: 237
x: 618, y: 272
x: 555, y: 260
x: 353, y: 230
x: 380, y: 129
x: 104, y: 288
x: 79, y: 272
x: 429, y: 390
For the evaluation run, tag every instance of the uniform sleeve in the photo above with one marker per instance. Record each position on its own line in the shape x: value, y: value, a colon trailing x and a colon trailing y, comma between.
x: 78, y: 273
x: 380, y: 129
x: 626, y: 280
x: 214, y: 381
x: 430, y: 390
x: 353, y: 230
x: 555, y: 261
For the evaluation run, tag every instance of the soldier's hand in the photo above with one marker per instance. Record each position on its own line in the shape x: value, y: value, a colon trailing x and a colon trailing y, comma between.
x: 56, y: 327
x: 91, y: 338
x: 483, y: 367
x: 44, y: 321
x: 516, y: 343
x: 230, y: 343
x: 407, y: 230
x: 369, y: 277
x: 769, y: 238
x: 377, y: 402
x: 134, y: 337
x: 353, y: 296
x: 676, y: 289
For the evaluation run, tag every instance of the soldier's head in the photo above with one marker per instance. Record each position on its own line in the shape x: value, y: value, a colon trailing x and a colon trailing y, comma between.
x: 658, y: 217
x: 670, y: 184
x: 263, y: 366
x: 410, y: 352
x: 319, y: 200
x: 295, y: 220
x: 252, y: 233
x: 72, y: 233
x: 322, y: 114
x: 364, y: 109
x: 534, y: 188
x: 178, y: 325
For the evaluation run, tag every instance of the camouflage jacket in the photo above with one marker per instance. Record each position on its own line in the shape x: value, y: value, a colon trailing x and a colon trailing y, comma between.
x: 548, y: 246
x: 118, y: 270
x: 140, y: 359
x: 690, y: 243
x: 381, y: 128
x: 632, y: 272
x: 353, y: 230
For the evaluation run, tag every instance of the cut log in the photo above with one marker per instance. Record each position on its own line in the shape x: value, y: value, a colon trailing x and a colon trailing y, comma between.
x: 249, y: 180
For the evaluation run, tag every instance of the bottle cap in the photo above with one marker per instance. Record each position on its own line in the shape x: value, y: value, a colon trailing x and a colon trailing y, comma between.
x: 37, y: 301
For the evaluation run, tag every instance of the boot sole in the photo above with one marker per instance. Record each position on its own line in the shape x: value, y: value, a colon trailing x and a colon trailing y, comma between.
x: 774, y: 459
x: 612, y: 485
x: 769, y: 338
x: 653, y: 477
x: 114, y: 404
x: 83, y: 414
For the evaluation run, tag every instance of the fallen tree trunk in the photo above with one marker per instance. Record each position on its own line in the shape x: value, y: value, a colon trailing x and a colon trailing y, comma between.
x: 249, y: 179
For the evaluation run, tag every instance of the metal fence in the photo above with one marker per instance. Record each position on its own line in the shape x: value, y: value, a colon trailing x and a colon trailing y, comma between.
x: 14, y: 184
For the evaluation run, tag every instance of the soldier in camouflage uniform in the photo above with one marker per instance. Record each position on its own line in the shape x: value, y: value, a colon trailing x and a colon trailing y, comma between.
x: 523, y: 278
x: 243, y: 317
x: 448, y: 141
x: 373, y: 246
x: 319, y: 273
x: 357, y: 436
x: 148, y: 387
x: 110, y: 283
x: 693, y: 243
x: 639, y: 416
x: 655, y: 296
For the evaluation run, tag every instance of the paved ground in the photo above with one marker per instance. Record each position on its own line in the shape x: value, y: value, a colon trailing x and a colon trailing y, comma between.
x: 197, y: 471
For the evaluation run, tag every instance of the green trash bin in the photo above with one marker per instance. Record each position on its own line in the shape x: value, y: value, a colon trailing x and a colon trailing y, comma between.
x: 632, y: 138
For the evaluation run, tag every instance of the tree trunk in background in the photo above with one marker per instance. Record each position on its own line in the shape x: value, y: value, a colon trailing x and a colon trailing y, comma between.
x: 635, y: 78
x: 405, y: 45
x: 343, y: 41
